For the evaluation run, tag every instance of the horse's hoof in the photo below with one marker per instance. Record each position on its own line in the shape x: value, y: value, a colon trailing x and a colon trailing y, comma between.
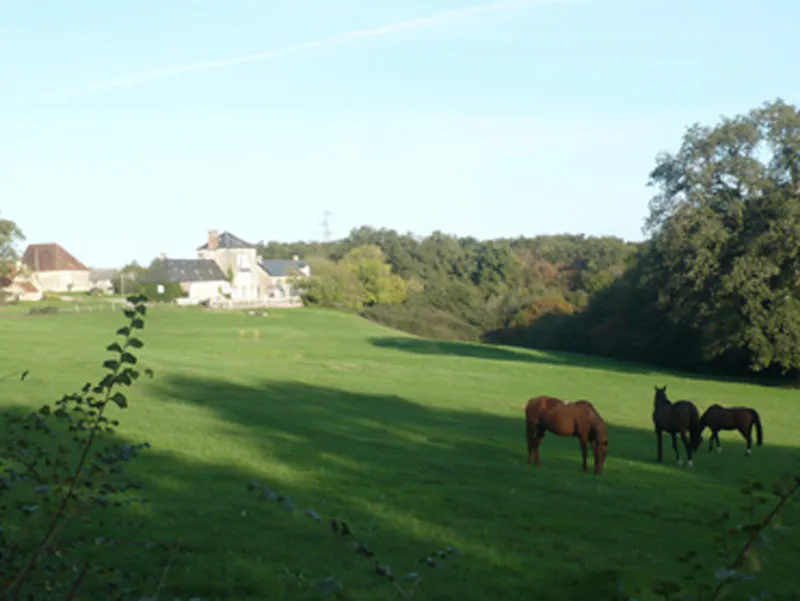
x: 747, y: 452
x: 719, y: 449
x: 690, y: 463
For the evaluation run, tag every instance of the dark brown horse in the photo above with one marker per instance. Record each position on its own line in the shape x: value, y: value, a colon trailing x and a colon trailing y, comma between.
x: 718, y: 418
x: 579, y: 419
x: 680, y: 417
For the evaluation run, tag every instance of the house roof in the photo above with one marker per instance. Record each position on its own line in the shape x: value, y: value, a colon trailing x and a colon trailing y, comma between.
x: 97, y: 275
x: 228, y: 240
x: 23, y: 285
x: 185, y: 270
x: 280, y: 267
x: 50, y: 257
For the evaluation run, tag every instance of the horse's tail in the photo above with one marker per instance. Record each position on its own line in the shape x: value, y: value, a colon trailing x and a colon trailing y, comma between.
x: 696, y: 426
x: 759, y: 429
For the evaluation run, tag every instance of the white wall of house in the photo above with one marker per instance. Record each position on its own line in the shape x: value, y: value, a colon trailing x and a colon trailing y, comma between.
x: 243, y: 263
x: 208, y: 290
x: 63, y: 281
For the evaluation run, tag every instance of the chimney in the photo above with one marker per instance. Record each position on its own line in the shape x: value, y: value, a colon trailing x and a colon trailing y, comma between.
x: 295, y: 258
x: 213, y: 239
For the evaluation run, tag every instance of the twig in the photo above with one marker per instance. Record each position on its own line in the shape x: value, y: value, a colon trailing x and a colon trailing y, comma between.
x: 785, y: 498
x: 62, y: 509
x: 166, y: 569
x: 78, y: 581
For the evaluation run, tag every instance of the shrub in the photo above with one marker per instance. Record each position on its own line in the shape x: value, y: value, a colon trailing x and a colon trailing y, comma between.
x: 152, y: 290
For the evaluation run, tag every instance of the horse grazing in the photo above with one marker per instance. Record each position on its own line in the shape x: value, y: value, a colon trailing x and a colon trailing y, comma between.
x: 680, y: 417
x: 717, y: 418
x: 535, y: 409
x: 581, y: 420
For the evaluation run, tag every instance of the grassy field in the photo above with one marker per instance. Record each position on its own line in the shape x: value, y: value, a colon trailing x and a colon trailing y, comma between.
x: 419, y: 444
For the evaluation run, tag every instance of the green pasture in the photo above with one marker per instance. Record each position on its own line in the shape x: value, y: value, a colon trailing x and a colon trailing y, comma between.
x: 418, y: 444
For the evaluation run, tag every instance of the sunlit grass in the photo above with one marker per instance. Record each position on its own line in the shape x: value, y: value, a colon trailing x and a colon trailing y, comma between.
x: 418, y: 444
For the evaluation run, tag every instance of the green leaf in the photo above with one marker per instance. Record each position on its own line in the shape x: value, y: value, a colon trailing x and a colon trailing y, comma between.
x: 129, y: 313
x: 141, y: 309
x: 124, y: 331
x: 120, y: 400
x: 137, y: 324
x: 128, y: 358
x: 135, y: 342
x: 114, y: 346
x: 148, y: 372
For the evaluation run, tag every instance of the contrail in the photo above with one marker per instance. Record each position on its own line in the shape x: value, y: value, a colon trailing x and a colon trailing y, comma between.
x: 133, y: 80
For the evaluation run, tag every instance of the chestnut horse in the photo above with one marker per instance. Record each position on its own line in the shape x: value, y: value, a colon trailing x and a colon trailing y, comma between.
x: 535, y: 410
x: 717, y: 418
x: 680, y: 417
x: 580, y: 420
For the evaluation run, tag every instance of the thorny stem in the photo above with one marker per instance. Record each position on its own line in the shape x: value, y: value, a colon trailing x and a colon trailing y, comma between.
x: 63, y: 507
x: 785, y: 498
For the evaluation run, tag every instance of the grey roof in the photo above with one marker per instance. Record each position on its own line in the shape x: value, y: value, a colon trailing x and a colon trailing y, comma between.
x: 185, y: 270
x: 280, y: 267
x: 96, y: 275
x: 228, y: 240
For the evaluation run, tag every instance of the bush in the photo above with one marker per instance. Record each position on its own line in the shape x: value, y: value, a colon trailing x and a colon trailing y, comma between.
x: 171, y: 291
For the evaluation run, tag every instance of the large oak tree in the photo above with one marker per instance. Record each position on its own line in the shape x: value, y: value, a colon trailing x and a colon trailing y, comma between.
x: 725, y: 225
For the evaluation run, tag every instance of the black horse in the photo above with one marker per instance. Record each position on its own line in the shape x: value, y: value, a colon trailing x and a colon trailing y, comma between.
x: 680, y: 417
x: 743, y: 419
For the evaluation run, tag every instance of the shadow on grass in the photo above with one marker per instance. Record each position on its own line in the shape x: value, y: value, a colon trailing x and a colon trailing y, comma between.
x: 411, y: 479
x: 488, y: 350
x: 425, y: 346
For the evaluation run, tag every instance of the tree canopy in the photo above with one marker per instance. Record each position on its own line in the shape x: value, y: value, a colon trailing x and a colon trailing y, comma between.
x: 10, y: 237
x: 725, y: 225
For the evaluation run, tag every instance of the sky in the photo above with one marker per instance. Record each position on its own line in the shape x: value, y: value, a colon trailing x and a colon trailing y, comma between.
x: 128, y: 129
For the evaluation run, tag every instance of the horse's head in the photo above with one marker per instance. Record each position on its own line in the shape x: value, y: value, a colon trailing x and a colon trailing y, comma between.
x: 661, y: 394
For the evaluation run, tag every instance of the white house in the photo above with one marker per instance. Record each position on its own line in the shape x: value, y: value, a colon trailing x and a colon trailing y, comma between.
x: 251, y: 278
x: 53, y: 269
x: 199, y: 279
x: 103, y: 279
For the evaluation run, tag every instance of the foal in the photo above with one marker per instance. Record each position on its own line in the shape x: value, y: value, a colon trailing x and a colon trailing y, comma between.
x: 676, y: 418
x: 743, y: 419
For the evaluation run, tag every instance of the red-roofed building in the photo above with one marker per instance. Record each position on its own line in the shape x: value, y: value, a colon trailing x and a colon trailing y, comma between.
x: 53, y: 269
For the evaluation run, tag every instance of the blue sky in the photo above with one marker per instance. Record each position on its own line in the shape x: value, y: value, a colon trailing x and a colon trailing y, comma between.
x: 131, y: 128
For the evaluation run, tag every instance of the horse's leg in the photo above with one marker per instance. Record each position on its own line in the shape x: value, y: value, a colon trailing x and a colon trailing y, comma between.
x: 711, y: 440
x: 659, y: 444
x: 719, y: 444
x: 688, y: 448
x: 536, y: 442
x: 530, y: 434
x: 747, y: 433
x: 582, y: 440
x: 675, y: 447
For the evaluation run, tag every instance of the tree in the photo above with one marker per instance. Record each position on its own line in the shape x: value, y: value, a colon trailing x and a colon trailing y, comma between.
x: 10, y: 237
x: 380, y: 285
x: 725, y: 226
